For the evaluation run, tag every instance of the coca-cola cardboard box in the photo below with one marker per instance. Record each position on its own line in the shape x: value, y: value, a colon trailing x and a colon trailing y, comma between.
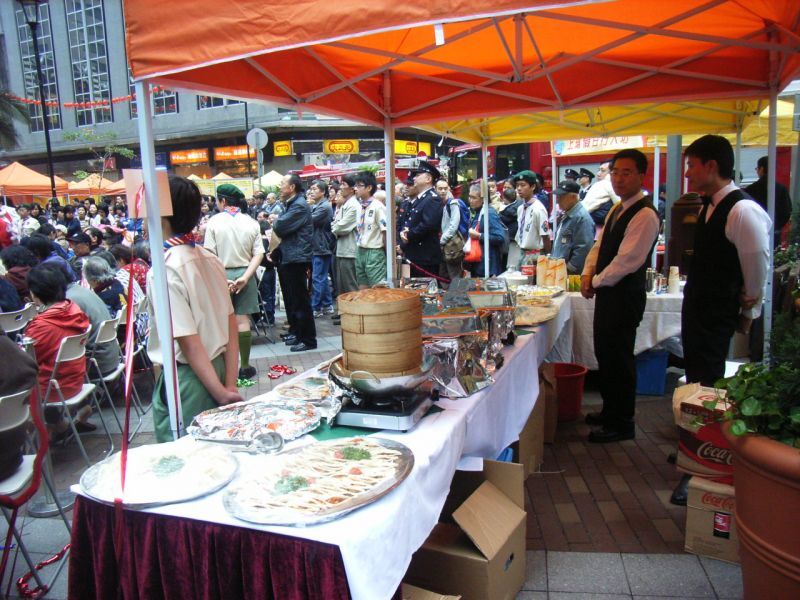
x: 710, y: 523
x: 702, y: 449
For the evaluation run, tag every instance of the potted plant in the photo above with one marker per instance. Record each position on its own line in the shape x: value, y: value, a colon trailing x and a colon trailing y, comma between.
x: 763, y: 430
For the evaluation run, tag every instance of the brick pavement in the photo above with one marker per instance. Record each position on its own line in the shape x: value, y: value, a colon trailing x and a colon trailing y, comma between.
x: 609, y: 497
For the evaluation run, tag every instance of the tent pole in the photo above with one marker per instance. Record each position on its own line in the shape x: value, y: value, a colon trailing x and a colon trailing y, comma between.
x: 656, y: 183
x: 795, y: 180
x: 737, y: 156
x: 674, y: 180
x: 485, y: 193
x: 156, y: 239
x: 771, y: 165
x: 388, y: 154
x: 553, y: 184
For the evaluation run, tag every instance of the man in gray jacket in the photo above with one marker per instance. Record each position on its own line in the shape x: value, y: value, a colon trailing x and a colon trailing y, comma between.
x: 295, y: 231
x: 452, y: 240
x: 344, y: 228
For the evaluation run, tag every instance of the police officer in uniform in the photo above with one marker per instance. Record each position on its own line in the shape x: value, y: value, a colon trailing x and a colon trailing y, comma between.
x: 571, y: 174
x: 585, y: 181
x: 419, y: 238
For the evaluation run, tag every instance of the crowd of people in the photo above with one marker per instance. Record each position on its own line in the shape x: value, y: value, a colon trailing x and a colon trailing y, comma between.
x: 84, y: 262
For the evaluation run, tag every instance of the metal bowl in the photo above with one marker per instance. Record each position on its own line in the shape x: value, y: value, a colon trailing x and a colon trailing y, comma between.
x: 366, y: 383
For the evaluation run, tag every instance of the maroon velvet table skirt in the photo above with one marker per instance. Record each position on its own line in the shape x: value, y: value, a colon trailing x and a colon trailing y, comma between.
x: 174, y: 558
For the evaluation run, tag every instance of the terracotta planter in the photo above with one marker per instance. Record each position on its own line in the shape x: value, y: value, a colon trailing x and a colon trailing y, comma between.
x: 766, y: 475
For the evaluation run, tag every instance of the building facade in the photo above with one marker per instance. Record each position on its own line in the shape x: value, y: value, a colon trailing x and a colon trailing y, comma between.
x: 91, y: 103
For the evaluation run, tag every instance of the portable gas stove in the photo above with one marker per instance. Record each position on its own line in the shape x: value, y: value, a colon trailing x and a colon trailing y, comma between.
x: 397, y: 413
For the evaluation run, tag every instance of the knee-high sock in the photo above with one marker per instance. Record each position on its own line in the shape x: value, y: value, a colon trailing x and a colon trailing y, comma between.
x: 245, y: 338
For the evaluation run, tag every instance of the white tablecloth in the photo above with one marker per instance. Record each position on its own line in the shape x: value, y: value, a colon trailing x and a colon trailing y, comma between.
x: 377, y: 541
x: 661, y: 320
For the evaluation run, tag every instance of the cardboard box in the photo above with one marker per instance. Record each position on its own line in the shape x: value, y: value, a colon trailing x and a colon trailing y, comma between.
x: 411, y: 592
x: 702, y: 448
x: 477, y: 549
x: 529, y: 450
x: 547, y: 385
x: 710, y: 522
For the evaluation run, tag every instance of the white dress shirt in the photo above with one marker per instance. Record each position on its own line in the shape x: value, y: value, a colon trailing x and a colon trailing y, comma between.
x: 598, y: 194
x: 748, y: 228
x: 640, y: 234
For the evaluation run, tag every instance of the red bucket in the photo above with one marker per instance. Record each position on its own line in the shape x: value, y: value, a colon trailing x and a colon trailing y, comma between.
x: 569, y: 390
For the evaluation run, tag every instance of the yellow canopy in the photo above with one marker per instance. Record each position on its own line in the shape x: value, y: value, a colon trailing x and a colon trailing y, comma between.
x: 272, y: 178
x: 221, y: 176
x: 662, y: 118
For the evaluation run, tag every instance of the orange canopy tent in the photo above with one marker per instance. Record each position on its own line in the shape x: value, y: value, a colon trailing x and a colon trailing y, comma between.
x: 92, y: 185
x: 414, y: 64
x: 396, y: 64
x: 116, y: 188
x: 18, y: 180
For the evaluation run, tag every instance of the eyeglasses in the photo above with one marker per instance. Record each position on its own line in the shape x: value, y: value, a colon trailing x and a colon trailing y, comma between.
x: 359, y: 184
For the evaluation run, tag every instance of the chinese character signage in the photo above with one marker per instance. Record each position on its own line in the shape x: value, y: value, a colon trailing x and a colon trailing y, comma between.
x: 233, y: 153
x: 340, y: 146
x: 597, y: 145
x: 189, y: 157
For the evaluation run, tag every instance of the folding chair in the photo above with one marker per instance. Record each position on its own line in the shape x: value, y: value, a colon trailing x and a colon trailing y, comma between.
x: 107, y: 333
x: 17, y: 489
x: 74, y: 348
x: 140, y: 336
x: 16, y: 322
x: 261, y: 325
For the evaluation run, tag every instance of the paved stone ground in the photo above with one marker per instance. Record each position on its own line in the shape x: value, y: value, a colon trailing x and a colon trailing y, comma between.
x: 599, y: 522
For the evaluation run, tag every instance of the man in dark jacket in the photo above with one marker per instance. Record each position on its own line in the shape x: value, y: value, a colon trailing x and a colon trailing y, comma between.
x: 783, y: 202
x: 419, y: 239
x: 322, y: 244
x: 295, y: 231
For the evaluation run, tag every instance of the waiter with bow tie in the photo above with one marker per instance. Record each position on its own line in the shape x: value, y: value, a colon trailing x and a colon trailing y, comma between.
x: 725, y: 284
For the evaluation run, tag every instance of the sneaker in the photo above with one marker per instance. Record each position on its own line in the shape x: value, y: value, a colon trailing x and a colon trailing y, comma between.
x: 328, y: 311
x: 247, y: 372
x: 318, y: 314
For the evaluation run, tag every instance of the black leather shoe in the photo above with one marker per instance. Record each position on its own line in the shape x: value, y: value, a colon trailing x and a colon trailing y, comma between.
x: 681, y: 491
x: 290, y: 341
x: 606, y: 434
x: 247, y: 372
x: 286, y: 335
x: 595, y: 418
x: 302, y: 347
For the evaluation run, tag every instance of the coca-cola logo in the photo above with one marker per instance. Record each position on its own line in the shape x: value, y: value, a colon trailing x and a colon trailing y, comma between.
x: 709, y: 451
x: 725, y: 503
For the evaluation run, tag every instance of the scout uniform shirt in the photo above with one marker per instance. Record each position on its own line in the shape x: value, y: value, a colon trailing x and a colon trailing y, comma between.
x: 234, y: 237
x: 371, y: 224
x: 532, y: 225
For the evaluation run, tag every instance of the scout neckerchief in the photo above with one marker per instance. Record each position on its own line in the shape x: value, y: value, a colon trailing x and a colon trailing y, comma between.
x: 360, y: 227
x: 179, y: 240
x: 232, y: 210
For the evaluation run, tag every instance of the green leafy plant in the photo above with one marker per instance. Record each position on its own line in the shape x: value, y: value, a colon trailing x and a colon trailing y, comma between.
x: 765, y: 399
x: 102, y: 145
x: 789, y: 254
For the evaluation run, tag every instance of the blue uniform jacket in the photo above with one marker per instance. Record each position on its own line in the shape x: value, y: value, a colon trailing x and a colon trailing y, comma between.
x: 424, y: 223
x: 574, y: 238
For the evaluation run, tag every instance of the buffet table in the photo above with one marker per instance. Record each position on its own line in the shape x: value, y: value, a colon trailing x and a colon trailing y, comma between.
x: 661, y: 320
x: 196, y: 549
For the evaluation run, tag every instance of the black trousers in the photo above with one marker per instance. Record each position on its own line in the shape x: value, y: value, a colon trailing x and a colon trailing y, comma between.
x: 617, y: 314
x: 706, y: 330
x: 297, y: 300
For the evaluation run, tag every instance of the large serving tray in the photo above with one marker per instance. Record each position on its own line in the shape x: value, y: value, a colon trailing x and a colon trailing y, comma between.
x: 160, y: 474
x: 242, y: 497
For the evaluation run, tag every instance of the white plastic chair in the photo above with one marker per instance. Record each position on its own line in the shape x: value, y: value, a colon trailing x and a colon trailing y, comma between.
x: 17, y: 321
x: 139, y: 338
x: 107, y: 333
x: 74, y: 348
x: 14, y: 412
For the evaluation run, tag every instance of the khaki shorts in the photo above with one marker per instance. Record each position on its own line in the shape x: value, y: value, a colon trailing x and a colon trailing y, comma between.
x: 246, y: 301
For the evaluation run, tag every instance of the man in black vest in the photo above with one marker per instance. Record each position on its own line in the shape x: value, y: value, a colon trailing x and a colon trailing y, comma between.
x: 615, y: 272
x: 726, y: 278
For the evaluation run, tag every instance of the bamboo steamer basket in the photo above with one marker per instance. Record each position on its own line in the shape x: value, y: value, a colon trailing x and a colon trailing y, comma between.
x: 381, y: 331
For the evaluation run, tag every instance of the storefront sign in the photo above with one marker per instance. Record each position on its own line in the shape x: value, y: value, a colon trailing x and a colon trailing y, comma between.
x: 244, y: 184
x: 189, y: 157
x: 282, y: 148
x: 405, y: 147
x: 207, y: 187
x: 340, y: 146
x: 233, y: 153
x: 598, y: 145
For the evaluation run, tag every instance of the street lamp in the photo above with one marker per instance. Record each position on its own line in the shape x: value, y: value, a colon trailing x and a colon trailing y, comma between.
x: 31, y: 10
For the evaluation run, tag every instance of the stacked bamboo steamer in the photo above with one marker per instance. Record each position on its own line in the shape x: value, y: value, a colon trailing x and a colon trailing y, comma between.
x: 381, y: 331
